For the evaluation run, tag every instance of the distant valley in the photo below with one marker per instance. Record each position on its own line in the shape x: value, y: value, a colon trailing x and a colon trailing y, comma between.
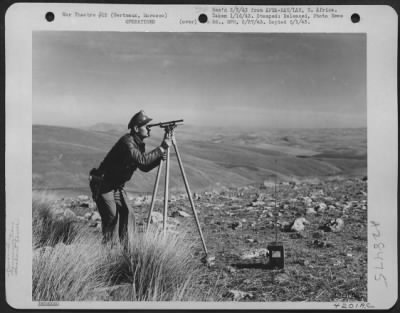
x: 213, y: 158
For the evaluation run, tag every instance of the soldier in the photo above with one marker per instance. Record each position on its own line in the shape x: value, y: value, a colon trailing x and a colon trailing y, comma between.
x: 107, y: 182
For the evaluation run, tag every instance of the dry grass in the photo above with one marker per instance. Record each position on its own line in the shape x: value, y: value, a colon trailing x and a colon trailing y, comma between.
x: 71, y: 264
x: 49, y: 228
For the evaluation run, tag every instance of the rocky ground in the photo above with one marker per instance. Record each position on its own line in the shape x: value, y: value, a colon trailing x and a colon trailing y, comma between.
x: 322, y: 225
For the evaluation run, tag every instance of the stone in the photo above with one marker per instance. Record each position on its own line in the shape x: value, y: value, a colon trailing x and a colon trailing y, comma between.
x: 321, y: 207
x: 257, y: 203
x: 237, y: 295
x: 83, y: 198
x: 286, y: 206
x: 58, y: 212
x: 196, y: 196
x: 338, y: 225
x: 156, y: 217
x: 236, y: 225
x: 84, y: 205
x: 310, y: 210
x: 88, y: 215
x: 299, y: 224
x: 95, y: 216
x: 209, y: 260
x: 334, y: 225
x: 251, y: 240
x: 68, y: 213
x: 180, y: 213
x: 322, y: 244
x: 268, y: 184
x: 307, y: 201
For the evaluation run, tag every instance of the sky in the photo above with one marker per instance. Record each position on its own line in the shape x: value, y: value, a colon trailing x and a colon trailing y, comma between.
x: 223, y: 79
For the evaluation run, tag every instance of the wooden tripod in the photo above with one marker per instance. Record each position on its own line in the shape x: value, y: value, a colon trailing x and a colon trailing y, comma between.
x: 169, y: 133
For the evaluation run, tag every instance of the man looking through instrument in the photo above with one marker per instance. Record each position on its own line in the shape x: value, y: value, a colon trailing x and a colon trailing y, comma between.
x: 127, y: 155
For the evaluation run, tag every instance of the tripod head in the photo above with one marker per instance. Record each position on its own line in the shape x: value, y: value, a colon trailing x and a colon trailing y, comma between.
x: 168, y: 126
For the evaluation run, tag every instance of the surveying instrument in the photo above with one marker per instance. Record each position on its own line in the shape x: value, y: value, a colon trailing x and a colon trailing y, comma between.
x: 169, y: 128
x: 275, y: 248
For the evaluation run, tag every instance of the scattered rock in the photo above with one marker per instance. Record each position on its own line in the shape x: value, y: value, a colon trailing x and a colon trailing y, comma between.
x: 307, y: 201
x: 310, y: 210
x: 321, y: 207
x: 322, y: 244
x: 196, y: 196
x: 84, y: 205
x: 236, y: 225
x: 297, y: 225
x: 69, y: 214
x: 180, y: 213
x: 251, y: 240
x: 95, y: 216
x: 257, y: 203
x: 58, y: 212
x: 237, y: 295
x: 334, y: 225
x: 269, y: 184
x: 88, y: 215
x: 156, y: 217
x: 83, y: 198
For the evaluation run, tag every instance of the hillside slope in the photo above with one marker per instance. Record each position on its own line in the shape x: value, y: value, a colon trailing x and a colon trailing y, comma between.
x: 62, y: 157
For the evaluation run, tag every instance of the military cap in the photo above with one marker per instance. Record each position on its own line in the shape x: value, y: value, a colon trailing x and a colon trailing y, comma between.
x: 139, y: 119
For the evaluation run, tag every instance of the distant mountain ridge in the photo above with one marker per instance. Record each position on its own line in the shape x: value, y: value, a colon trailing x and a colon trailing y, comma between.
x: 63, y: 157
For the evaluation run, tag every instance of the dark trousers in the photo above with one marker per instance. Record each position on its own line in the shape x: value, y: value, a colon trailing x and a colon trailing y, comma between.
x: 117, y: 217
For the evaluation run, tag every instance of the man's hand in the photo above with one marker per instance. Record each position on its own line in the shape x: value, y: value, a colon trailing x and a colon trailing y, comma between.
x: 164, y: 156
x: 167, y: 142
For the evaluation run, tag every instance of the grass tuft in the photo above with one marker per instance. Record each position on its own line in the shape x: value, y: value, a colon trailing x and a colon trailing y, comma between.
x: 71, y: 263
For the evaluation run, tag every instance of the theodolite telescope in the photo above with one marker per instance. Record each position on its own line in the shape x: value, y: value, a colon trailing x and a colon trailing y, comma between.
x: 166, y: 125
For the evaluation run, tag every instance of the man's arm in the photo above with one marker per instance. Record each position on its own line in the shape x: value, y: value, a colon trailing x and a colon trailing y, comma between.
x: 145, y: 161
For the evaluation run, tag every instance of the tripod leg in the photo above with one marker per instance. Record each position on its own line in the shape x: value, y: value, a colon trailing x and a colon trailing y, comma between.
x: 166, y: 192
x: 190, y: 196
x: 154, y: 194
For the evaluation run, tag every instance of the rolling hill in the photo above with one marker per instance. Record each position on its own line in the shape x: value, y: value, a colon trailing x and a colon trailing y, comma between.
x: 213, y: 158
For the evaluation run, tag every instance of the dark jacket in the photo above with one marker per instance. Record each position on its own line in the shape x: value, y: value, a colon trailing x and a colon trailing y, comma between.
x: 124, y: 158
